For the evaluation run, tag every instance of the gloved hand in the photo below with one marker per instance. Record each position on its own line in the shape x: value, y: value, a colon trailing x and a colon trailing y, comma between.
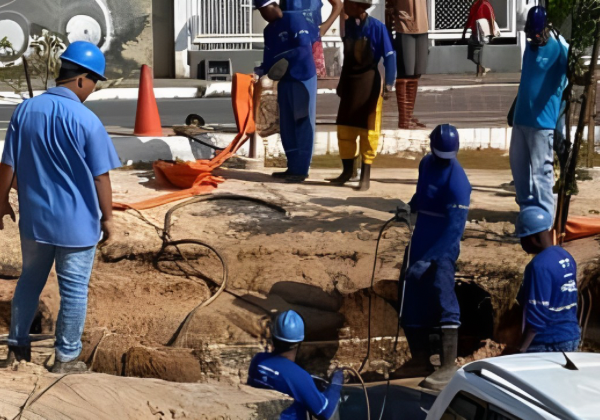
x: 337, y: 377
x: 279, y: 69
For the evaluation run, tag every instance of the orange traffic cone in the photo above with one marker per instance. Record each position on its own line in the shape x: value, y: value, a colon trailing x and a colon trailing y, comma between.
x: 147, y: 120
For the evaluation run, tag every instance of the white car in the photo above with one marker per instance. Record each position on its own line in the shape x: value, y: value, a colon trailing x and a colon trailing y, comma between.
x: 531, y: 386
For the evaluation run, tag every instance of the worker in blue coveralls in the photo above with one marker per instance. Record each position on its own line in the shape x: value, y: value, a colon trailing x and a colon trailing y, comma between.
x: 288, y: 58
x: 537, y: 109
x: 548, y: 295
x: 60, y: 155
x: 430, y: 307
x: 278, y: 371
x: 366, y: 43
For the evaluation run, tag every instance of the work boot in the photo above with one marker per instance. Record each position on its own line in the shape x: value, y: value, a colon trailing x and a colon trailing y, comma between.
x: 419, y: 365
x: 365, y: 177
x: 280, y: 175
x: 18, y: 353
x: 348, y: 167
x: 295, y: 179
x: 440, y: 378
x: 74, y: 366
x: 356, y: 170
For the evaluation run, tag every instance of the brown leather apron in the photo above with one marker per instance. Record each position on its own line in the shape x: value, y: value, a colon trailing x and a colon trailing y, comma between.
x: 360, y: 84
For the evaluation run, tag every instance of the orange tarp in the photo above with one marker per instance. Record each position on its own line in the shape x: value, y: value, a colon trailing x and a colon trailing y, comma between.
x: 581, y: 227
x: 196, y: 177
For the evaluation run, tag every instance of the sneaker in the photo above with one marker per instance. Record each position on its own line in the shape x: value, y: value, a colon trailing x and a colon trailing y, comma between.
x: 74, y: 366
x: 18, y: 353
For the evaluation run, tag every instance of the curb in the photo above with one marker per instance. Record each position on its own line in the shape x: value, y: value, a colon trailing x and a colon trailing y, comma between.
x: 211, y: 90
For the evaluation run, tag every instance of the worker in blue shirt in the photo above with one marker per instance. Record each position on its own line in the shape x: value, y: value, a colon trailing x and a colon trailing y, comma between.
x: 430, y: 306
x: 278, y: 371
x: 548, y: 295
x: 537, y: 110
x: 288, y: 58
x: 60, y: 155
x: 366, y: 42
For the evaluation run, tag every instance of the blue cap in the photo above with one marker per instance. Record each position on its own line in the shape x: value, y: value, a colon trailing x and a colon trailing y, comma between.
x: 444, y: 141
x: 289, y: 327
x: 86, y: 55
x: 536, y: 24
x: 532, y: 220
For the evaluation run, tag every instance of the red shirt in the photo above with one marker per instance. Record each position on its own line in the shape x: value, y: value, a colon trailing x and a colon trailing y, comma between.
x: 481, y: 9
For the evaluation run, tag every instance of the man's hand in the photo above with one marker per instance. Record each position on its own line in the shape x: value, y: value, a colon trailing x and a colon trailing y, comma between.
x: 107, y: 230
x: 6, y: 209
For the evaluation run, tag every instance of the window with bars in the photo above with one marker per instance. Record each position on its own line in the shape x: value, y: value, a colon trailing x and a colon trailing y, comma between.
x: 221, y: 24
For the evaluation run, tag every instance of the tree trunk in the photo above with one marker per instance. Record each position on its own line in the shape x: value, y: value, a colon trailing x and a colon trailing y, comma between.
x: 592, y: 123
x: 568, y: 182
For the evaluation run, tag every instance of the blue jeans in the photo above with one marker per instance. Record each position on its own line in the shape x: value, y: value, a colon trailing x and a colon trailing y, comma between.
x: 566, y: 346
x: 297, y: 118
x: 73, y: 268
x: 531, y: 163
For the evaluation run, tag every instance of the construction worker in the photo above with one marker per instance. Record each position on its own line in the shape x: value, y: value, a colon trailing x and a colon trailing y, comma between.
x: 549, y: 291
x: 288, y: 58
x: 60, y: 155
x: 538, y: 102
x: 430, y: 306
x: 366, y: 42
x: 278, y: 371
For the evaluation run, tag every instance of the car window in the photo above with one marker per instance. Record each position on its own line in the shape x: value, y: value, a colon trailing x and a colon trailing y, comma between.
x: 464, y: 407
x: 495, y: 413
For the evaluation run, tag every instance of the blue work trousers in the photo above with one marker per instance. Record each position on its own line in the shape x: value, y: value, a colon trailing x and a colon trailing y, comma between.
x: 297, y: 118
x: 566, y: 346
x: 73, y: 269
x: 430, y: 300
x: 531, y: 163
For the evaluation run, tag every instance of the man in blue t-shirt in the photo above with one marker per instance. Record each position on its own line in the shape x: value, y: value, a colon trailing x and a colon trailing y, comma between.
x: 430, y: 307
x: 60, y: 155
x: 278, y: 371
x: 288, y: 58
x: 549, y: 291
x: 543, y: 79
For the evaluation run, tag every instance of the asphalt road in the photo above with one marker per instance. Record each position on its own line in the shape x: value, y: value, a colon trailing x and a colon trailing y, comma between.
x: 466, y: 107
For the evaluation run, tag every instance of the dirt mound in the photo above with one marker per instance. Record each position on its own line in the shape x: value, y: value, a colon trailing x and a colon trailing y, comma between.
x: 98, y: 397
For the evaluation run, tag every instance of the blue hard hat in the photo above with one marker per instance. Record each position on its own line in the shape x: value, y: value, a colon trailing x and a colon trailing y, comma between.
x: 289, y: 327
x: 532, y: 220
x: 444, y: 141
x: 86, y: 55
x: 536, y: 24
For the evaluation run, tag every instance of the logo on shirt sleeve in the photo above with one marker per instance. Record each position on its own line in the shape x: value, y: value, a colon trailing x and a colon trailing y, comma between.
x: 565, y: 263
x: 569, y: 286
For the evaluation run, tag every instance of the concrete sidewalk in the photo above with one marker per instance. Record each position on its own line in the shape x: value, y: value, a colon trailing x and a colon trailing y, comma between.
x: 192, y: 88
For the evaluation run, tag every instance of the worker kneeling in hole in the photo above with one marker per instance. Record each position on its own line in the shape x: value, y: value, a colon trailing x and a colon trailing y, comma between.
x: 430, y: 307
x: 278, y: 371
x: 549, y: 291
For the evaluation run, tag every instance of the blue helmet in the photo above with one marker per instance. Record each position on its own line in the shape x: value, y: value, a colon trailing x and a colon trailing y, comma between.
x: 536, y: 25
x: 86, y: 55
x: 289, y: 327
x: 532, y: 220
x: 444, y: 141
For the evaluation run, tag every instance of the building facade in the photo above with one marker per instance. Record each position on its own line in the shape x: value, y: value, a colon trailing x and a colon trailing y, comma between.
x: 231, y: 29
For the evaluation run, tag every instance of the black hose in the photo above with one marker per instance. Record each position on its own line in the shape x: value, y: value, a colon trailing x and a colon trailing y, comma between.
x: 204, y: 143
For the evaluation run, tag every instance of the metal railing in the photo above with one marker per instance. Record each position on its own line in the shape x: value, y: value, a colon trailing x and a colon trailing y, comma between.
x: 221, y: 24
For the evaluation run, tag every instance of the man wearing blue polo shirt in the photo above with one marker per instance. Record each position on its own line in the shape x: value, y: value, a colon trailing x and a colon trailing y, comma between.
x: 60, y: 155
x: 278, y: 371
x: 543, y: 79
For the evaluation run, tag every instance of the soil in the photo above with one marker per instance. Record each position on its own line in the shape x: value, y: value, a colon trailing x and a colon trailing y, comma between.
x: 315, y: 257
